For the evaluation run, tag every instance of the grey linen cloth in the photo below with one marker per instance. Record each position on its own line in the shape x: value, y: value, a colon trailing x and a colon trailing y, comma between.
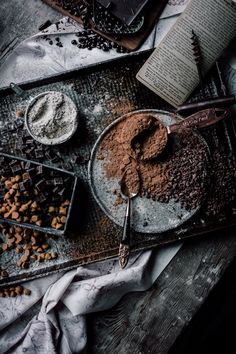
x: 53, y: 318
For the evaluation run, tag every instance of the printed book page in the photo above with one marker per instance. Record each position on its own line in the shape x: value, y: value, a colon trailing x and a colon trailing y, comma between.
x: 171, y: 71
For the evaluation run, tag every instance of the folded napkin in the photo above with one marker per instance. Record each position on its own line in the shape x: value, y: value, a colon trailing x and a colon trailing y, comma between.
x: 53, y: 318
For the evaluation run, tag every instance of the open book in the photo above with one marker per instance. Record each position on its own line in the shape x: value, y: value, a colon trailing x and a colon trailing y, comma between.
x: 171, y: 71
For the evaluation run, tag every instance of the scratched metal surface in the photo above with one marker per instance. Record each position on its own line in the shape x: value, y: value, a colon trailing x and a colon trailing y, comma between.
x: 102, y: 93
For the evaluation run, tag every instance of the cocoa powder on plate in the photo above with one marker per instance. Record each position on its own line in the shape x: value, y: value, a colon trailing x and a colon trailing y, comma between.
x: 179, y: 172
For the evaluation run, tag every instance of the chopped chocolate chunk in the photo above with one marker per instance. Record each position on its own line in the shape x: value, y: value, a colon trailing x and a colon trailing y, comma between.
x: 40, y: 185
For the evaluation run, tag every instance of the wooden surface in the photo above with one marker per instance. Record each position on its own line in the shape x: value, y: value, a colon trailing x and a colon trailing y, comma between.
x: 151, y: 321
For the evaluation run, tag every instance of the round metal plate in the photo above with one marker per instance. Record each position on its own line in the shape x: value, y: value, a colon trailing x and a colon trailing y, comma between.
x: 148, y: 216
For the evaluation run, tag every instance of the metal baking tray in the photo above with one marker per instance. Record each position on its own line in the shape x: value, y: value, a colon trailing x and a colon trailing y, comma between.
x: 103, y: 93
x: 74, y: 187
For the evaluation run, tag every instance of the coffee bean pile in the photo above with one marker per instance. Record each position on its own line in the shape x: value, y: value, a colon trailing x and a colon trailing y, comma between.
x: 13, y: 291
x: 31, y: 245
x: 78, y: 8
x: 86, y: 39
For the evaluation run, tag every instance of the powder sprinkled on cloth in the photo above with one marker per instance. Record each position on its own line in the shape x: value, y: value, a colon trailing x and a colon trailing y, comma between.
x: 52, y: 118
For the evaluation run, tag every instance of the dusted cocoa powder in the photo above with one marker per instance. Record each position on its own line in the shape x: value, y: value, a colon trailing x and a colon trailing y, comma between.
x: 147, y: 136
x: 179, y: 172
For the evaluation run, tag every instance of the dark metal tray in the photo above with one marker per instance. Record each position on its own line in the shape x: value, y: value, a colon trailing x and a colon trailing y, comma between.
x: 74, y: 187
x: 103, y: 93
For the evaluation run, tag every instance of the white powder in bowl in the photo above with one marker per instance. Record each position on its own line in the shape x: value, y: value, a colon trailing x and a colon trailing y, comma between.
x: 52, y: 118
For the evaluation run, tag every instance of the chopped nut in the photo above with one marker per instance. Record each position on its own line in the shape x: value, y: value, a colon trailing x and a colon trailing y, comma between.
x: 54, y: 255
x: 24, y: 259
x: 45, y: 246
x: 63, y: 219
x: 34, y: 218
x: 19, y: 289
x: 18, y: 263
x: 27, y: 253
x: 18, y: 178
x: 8, y: 184
x: 19, y: 114
x: 18, y: 238
x: 12, y: 191
x: 19, y: 249
x: 39, y: 222
x: 34, y: 205
x: 15, y: 215
x: 25, y: 265
x: 18, y: 229
x: 4, y: 273
x: 28, y: 246
x: 62, y: 211
x: 51, y: 209
x: 26, y: 291
x: 54, y: 222
x: 7, y: 196
x: 59, y: 226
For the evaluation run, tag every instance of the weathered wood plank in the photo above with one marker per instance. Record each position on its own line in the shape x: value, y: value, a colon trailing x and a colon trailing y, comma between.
x: 151, y: 321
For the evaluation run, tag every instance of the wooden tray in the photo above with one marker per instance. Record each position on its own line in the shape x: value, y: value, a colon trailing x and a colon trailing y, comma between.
x: 103, y: 93
x: 131, y: 41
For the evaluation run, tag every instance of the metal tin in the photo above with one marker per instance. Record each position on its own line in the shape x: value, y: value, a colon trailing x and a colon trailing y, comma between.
x: 49, y: 230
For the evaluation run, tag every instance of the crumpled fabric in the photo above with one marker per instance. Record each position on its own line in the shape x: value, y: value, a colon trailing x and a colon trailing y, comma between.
x: 53, y: 318
x: 35, y: 58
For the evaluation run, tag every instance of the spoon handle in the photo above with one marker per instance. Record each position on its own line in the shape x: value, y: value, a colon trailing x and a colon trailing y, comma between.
x: 200, y: 119
x: 21, y: 93
x: 125, y: 241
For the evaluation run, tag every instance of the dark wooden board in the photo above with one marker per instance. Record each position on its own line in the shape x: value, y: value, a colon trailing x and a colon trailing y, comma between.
x: 131, y: 41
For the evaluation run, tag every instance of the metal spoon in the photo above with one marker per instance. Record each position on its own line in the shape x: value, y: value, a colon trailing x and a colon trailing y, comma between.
x: 158, y: 138
x: 129, y: 191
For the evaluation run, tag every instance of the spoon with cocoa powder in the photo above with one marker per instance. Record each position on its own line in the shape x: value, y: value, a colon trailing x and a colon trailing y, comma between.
x: 152, y: 140
x: 129, y: 186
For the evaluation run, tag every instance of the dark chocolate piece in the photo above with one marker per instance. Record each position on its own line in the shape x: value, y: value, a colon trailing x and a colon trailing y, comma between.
x: 45, y: 25
x: 40, y: 185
